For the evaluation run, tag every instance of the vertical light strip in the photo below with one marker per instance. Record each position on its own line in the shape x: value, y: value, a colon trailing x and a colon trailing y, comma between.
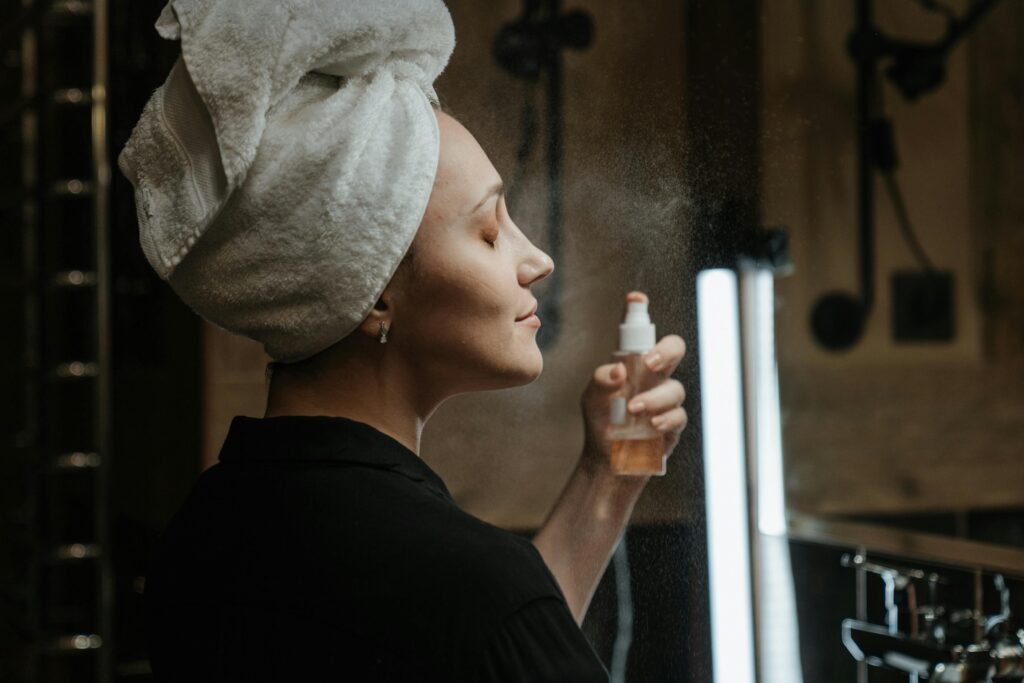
x: 725, y: 478
x: 763, y: 391
x: 778, y: 644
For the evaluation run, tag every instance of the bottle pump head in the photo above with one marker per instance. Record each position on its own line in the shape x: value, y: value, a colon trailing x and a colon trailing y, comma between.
x: 636, y: 333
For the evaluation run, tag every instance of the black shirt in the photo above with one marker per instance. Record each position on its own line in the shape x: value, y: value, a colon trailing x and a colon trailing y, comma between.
x: 321, y: 549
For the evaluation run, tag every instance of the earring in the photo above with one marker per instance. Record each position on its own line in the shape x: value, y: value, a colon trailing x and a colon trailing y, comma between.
x: 383, y: 333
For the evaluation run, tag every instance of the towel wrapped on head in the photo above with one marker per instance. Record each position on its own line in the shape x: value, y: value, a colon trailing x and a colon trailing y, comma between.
x: 283, y: 168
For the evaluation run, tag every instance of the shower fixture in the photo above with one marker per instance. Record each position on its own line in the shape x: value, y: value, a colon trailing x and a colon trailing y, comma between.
x: 936, y: 644
x: 838, y: 319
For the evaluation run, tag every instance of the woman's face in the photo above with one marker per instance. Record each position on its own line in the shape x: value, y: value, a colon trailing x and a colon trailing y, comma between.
x: 455, y: 310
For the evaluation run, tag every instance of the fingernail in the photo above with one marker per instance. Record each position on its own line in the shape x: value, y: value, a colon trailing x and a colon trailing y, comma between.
x: 636, y: 406
x: 654, y: 361
x: 657, y: 420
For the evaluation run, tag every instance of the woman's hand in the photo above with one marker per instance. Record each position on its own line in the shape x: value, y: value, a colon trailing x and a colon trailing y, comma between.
x: 587, y: 521
x: 662, y: 402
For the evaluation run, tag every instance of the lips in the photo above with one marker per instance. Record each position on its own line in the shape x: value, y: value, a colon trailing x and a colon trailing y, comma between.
x: 526, y: 315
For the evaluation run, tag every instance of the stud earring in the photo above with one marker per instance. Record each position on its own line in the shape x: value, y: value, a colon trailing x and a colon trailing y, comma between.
x: 383, y: 333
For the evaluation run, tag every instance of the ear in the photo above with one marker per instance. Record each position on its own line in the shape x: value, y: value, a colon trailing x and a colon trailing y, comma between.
x: 381, y: 312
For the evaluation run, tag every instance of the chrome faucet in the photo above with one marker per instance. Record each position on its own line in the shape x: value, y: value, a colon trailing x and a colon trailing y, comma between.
x: 938, y: 652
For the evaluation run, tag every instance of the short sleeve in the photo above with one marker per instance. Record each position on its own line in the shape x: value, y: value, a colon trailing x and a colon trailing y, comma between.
x: 541, y: 642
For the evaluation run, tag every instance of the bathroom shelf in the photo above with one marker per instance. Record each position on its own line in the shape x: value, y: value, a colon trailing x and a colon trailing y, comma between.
x: 932, y: 548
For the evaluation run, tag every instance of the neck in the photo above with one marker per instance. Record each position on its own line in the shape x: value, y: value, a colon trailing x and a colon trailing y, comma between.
x: 360, y: 382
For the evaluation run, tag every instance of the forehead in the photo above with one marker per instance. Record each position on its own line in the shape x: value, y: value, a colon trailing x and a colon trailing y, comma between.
x: 464, y: 171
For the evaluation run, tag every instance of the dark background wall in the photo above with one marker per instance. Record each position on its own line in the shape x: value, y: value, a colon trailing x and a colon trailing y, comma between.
x: 155, y: 351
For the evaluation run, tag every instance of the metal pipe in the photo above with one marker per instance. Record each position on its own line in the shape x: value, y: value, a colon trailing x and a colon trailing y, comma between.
x: 867, y: 83
x: 103, y: 380
x: 958, y: 29
x: 862, y: 606
x: 31, y: 433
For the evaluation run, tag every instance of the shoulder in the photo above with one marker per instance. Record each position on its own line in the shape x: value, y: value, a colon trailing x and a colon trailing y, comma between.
x: 405, y: 525
x: 400, y: 540
x: 502, y: 610
x: 539, y: 642
x: 491, y: 565
x: 349, y: 536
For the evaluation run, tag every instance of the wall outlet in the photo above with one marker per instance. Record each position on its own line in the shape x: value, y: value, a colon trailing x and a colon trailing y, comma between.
x: 922, y: 306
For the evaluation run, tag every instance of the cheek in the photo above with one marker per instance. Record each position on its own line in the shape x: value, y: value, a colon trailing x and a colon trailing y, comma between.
x: 461, y: 301
x: 466, y: 294
x: 461, y: 271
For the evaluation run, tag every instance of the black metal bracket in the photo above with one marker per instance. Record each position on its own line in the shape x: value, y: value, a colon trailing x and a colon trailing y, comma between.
x: 838, y: 319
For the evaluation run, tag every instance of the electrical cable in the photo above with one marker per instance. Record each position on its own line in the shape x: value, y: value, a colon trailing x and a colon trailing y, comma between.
x: 624, y: 595
x: 885, y: 160
x: 939, y: 8
x: 903, y: 221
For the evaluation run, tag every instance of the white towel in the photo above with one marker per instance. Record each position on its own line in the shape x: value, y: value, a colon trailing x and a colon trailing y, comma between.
x: 283, y: 168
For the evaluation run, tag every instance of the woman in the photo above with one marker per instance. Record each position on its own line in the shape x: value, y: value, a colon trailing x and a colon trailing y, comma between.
x: 321, y: 547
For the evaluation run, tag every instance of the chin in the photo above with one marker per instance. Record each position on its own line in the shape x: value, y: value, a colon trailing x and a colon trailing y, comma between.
x: 525, y: 371
x: 530, y: 377
x: 533, y: 368
x: 518, y: 362
x: 506, y: 378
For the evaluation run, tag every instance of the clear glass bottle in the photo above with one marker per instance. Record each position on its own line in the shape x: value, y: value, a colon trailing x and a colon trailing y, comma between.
x: 636, y: 446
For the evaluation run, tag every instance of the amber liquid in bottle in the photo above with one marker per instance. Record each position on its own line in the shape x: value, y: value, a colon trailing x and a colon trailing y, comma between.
x: 639, y: 456
x: 636, y: 446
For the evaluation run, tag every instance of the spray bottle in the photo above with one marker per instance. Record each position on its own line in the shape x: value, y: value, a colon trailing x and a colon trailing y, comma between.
x: 636, y: 446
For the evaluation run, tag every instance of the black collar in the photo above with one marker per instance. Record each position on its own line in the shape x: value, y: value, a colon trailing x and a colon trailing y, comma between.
x: 320, y: 438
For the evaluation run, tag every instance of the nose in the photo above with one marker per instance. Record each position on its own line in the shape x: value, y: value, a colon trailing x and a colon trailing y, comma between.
x: 536, y: 265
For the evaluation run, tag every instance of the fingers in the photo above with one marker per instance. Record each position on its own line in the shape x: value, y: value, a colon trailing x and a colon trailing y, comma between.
x: 666, y: 354
x: 636, y: 296
x: 673, y: 420
x: 663, y: 402
x: 666, y: 395
x: 610, y: 375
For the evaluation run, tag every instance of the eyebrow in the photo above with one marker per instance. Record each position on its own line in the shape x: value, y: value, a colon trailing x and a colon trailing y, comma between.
x: 497, y: 189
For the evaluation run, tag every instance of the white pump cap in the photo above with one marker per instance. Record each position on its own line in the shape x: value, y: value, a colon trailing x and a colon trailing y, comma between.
x: 636, y: 333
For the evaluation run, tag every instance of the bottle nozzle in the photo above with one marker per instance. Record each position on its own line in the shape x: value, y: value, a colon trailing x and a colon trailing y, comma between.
x: 636, y: 313
x: 636, y: 333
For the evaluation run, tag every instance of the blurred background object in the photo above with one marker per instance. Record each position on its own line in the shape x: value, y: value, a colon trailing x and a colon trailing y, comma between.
x: 100, y: 361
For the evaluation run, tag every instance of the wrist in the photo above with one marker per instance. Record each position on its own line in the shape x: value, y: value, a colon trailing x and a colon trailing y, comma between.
x: 602, y: 477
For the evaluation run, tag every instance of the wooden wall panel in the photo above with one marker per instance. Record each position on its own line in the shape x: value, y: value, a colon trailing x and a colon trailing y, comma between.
x: 904, y: 439
x: 996, y: 60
